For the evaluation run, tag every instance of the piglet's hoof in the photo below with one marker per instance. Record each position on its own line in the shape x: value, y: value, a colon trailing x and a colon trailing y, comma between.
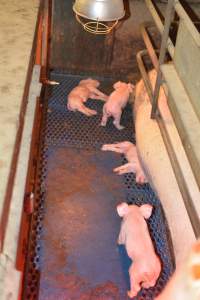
x: 119, y: 127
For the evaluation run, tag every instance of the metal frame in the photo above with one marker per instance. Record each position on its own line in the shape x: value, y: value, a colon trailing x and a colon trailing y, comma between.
x: 159, y: 25
x: 163, y: 50
x: 151, y: 51
x: 173, y: 5
x: 192, y: 213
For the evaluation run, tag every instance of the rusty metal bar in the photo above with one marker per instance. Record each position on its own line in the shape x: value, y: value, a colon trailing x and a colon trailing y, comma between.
x: 144, y: 73
x: 192, y: 213
x: 168, y: 18
x: 148, y: 43
x: 39, y: 42
x: 45, y: 34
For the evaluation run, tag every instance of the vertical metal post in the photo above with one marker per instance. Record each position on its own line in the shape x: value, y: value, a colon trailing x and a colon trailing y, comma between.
x: 159, y: 24
x: 168, y: 18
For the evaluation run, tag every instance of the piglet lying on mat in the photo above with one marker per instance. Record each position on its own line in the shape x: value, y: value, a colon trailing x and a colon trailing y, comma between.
x: 145, y: 268
x: 133, y: 165
x: 86, y: 88
x: 116, y: 102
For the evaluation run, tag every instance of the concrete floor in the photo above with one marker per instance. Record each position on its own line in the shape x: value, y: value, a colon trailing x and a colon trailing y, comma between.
x: 17, y: 26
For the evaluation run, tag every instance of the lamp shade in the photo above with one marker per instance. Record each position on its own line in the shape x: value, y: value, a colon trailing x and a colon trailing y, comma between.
x: 101, y: 10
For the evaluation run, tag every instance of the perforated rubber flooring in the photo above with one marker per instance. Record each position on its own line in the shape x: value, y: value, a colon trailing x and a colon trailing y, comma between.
x: 73, y: 252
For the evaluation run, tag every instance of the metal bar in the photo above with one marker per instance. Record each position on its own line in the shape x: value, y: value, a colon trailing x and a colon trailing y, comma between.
x: 168, y: 18
x: 148, y: 43
x: 159, y: 25
x: 39, y: 43
x: 143, y: 71
x: 46, y: 27
x: 192, y: 213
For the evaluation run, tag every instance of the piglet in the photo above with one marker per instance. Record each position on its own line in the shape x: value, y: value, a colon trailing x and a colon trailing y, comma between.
x: 133, y: 165
x: 185, y: 282
x: 116, y: 102
x: 146, y: 267
x: 86, y: 88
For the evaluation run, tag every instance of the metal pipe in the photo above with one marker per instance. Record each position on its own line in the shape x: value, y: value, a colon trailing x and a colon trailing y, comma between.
x: 168, y: 18
x: 45, y: 34
x: 159, y: 25
x: 144, y: 74
x: 148, y: 43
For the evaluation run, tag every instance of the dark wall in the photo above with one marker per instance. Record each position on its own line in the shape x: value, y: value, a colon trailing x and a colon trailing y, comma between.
x: 77, y: 51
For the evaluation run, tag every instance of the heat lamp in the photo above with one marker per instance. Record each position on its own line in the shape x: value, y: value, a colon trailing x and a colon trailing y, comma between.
x: 99, y: 16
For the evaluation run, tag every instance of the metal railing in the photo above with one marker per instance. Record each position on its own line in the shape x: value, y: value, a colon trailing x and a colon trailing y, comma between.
x: 158, y: 60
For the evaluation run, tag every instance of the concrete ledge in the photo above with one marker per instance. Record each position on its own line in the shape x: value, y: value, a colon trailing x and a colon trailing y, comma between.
x: 9, y: 276
x: 17, y: 27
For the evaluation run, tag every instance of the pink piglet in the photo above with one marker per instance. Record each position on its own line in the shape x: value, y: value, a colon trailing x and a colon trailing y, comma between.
x: 134, y: 234
x: 116, y: 102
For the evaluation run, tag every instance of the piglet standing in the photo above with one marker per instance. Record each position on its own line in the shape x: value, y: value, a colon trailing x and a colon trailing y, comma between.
x: 146, y: 267
x: 116, y: 102
x: 133, y: 165
x: 86, y: 88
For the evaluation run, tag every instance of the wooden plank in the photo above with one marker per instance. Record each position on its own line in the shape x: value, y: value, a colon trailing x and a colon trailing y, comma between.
x: 185, y: 118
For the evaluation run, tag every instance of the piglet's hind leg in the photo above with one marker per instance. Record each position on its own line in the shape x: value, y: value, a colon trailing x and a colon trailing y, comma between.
x: 127, y: 168
x: 141, y: 178
x: 86, y: 111
x: 116, y: 122
x: 112, y: 147
x: 104, y: 119
x: 134, y: 283
x: 99, y: 95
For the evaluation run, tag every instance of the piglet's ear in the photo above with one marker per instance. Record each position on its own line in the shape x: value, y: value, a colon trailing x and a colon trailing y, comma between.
x: 146, y: 210
x: 122, y: 209
x: 95, y: 82
x: 117, y: 84
x: 131, y: 87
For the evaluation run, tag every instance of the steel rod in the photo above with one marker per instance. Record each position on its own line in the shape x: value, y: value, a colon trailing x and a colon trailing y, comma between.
x: 159, y: 25
x: 168, y: 18
x: 148, y: 43
x: 144, y: 74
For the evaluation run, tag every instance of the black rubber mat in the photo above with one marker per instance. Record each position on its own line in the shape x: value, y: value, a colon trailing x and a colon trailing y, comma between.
x: 69, y: 128
x: 73, y: 251
x: 81, y: 227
